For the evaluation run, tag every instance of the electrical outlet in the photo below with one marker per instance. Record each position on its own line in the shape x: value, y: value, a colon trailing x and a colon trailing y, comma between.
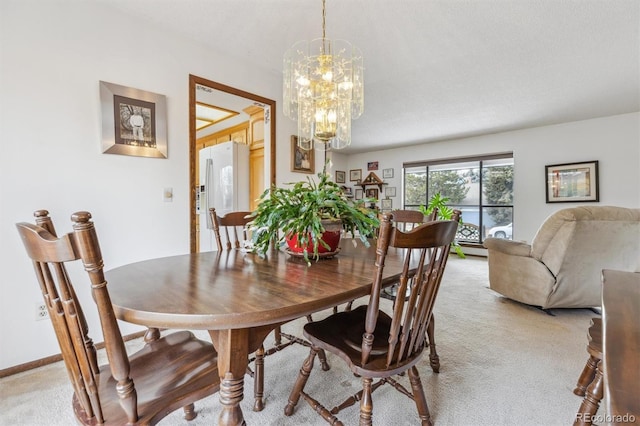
x: 41, y: 312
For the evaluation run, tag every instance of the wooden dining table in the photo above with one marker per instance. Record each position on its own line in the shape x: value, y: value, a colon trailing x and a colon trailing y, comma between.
x: 621, y: 346
x: 240, y: 297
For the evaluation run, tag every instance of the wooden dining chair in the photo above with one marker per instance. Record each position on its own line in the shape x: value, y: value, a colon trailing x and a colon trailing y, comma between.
x: 374, y: 344
x: 171, y: 372
x: 406, y: 220
x: 233, y: 227
x: 590, y: 382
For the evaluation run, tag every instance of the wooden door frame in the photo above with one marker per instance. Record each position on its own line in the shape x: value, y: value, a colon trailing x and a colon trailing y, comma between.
x: 193, y: 154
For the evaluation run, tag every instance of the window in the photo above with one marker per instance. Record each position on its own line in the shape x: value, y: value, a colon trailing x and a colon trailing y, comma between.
x: 480, y: 187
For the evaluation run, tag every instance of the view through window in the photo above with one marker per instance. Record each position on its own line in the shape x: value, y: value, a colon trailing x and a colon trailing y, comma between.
x: 480, y: 187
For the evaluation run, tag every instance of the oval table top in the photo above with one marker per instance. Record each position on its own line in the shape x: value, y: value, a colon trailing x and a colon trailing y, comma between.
x: 234, y: 289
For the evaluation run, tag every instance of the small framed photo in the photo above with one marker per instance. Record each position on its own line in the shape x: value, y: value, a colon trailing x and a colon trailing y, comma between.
x: 355, y: 175
x: 372, y: 165
x: 347, y: 191
x: 302, y: 161
x: 359, y: 194
x: 134, y: 122
x: 340, y: 176
x: 387, y: 173
x: 372, y: 193
x: 390, y: 191
x: 386, y: 204
x: 572, y: 182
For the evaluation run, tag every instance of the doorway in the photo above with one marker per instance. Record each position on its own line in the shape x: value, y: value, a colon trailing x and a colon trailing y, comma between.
x: 249, y: 119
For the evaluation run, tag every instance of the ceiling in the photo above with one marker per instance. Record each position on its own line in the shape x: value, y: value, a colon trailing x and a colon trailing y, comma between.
x: 440, y: 69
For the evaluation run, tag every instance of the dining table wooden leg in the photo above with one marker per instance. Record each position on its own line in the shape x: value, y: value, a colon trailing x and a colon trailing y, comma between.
x: 233, y: 350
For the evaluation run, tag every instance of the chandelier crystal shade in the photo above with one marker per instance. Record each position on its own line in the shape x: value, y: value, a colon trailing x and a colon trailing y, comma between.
x: 323, y: 89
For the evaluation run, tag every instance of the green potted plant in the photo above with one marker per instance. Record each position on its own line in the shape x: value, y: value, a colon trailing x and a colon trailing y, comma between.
x: 299, y: 215
x: 437, y: 201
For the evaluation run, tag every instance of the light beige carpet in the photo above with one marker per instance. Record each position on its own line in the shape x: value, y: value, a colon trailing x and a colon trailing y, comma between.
x: 503, y: 363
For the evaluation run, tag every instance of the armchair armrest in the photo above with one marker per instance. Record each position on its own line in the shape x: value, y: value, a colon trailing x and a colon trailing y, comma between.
x: 516, y: 274
x: 514, y: 248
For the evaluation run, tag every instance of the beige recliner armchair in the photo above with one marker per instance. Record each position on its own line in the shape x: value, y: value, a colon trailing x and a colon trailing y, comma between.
x: 563, y: 265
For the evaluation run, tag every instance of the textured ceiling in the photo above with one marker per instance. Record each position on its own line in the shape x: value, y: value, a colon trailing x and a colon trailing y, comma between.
x: 436, y: 70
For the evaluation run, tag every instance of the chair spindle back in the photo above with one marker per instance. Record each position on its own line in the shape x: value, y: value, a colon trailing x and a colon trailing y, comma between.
x: 49, y: 255
x: 406, y: 220
x: 426, y: 252
x: 234, y: 226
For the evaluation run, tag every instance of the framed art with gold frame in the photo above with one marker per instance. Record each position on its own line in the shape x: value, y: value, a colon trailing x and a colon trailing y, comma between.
x: 302, y: 161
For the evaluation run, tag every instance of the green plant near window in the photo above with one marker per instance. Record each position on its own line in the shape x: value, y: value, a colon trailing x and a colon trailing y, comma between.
x: 444, y: 213
x: 302, y: 210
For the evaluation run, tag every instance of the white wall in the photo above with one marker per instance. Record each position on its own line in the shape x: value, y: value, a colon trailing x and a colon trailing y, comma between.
x: 53, y: 56
x: 613, y: 141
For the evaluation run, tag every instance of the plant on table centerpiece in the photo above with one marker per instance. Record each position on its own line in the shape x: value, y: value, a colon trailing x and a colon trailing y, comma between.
x: 437, y: 201
x: 302, y: 212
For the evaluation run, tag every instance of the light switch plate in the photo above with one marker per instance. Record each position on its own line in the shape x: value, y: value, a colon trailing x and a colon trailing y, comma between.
x: 167, y: 195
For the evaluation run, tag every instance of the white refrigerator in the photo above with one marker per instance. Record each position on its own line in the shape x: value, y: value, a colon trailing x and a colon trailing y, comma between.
x: 224, y: 184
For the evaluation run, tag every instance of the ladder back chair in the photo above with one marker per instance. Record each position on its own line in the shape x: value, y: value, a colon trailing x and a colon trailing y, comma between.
x: 374, y: 344
x: 406, y: 220
x: 233, y: 226
x: 166, y: 374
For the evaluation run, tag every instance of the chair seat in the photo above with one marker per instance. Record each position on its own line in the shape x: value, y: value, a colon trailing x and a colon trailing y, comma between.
x: 159, y: 379
x: 341, y: 334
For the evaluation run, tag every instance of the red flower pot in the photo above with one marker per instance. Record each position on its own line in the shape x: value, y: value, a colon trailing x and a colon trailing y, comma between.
x: 331, y: 236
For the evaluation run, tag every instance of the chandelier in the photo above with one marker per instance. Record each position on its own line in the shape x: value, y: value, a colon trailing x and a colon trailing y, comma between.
x: 323, y: 89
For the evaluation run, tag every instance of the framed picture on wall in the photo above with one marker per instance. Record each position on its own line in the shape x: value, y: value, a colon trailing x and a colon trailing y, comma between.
x: 387, y: 173
x: 302, y: 161
x: 134, y: 121
x: 572, y: 182
x: 372, y: 193
x: 359, y: 194
x: 372, y: 165
x: 390, y: 191
x: 386, y: 204
x: 355, y: 175
x: 340, y: 176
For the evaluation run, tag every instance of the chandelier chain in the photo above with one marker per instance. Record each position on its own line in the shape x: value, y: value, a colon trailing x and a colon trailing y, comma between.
x: 323, y: 91
x: 324, y: 18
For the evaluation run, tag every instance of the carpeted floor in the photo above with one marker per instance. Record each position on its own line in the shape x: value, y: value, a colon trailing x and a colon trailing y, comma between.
x: 502, y: 363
